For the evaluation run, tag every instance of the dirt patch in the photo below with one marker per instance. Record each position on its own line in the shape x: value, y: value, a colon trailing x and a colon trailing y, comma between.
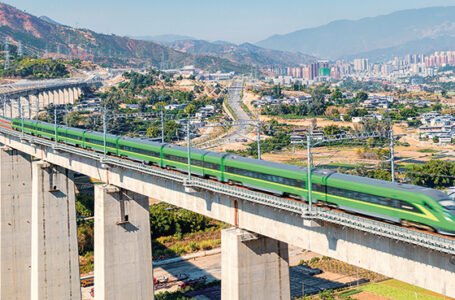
x: 368, y: 296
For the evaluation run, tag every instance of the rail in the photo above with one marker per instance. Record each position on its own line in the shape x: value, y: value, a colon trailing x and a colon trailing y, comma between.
x: 423, y: 239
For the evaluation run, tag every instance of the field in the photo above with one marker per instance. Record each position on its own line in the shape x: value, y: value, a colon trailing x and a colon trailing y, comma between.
x: 398, y: 290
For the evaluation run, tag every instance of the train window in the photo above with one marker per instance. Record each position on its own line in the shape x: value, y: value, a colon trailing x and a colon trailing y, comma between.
x: 372, y: 199
x: 197, y: 162
x: 318, y: 188
x: 176, y: 158
x: 427, y: 206
x: 71, y: 136
x: 209, y: 165
x: 267, y: 177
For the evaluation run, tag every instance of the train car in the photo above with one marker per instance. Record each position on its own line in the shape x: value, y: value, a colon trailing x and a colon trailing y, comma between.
x: 140, y: 149
x: 72, y: 136
x: 176, y: 157
x: 396, y: 202
x: 95, y: 141
x: 265, y: 175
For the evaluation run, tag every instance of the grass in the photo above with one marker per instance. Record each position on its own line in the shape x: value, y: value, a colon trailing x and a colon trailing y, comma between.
x: 427, y: 151
x: 399, y: 290
x: 171, y: 246
x: 231, y: 111
x: 245, y: 108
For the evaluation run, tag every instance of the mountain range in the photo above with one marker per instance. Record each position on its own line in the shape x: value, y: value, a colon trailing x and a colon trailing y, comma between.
x: 43, y: 35
x: 408, y: 31
x: 245, y: 53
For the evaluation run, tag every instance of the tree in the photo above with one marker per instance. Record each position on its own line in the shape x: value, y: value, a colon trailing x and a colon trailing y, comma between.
x: 435, y: 139
x: 190, y: 109
x: 332, y: 130
x: 336, y: 95
x: 428, y: 173
x: 362, y: 96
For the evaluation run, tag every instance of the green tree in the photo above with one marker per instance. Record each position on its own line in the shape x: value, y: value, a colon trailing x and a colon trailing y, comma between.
x: 362, y: 96
x: 336, y: 95
x: 435, y: 139
x: 332, y: 130
x: 190, y: 109
x: 434, y: 173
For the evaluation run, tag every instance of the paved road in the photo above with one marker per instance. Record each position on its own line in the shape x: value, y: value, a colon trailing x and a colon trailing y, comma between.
x: 234, y: 102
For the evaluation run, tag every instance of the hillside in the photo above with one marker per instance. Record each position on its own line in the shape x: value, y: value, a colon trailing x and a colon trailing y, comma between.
x: 245, y: 53
x: 347, y: 38
x: 38, y: 35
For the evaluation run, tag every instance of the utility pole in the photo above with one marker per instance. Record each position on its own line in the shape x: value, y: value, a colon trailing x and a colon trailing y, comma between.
x: 259, y: 138
x: 20, y: 51
x: 162, y: 126
x: 22, y: 121
x: 392, y: 154
x: 104, y: 131
x: 66, y: 113
x: 189, y: 148
x: 308, y: 145
x: 6, y: 53
x: 55, y: 122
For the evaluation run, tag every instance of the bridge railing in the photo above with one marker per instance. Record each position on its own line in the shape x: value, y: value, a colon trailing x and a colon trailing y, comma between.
x: 423, y: 239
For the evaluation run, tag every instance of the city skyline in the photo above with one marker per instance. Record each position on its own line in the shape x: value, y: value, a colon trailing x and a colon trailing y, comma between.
x: 234, y: 21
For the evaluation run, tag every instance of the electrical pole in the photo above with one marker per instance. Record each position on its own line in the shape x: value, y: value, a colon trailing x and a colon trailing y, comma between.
x: 189, y: 148
x: 20, y: 51
x: 308, y: 145
x: 259, y: 138
x: 55, y: 122
x: 66, y: 113
x: 104, y: 131
x: 6, y: 53
x: 22, y: 121
x: 392, y: 155
x: 162, y: 127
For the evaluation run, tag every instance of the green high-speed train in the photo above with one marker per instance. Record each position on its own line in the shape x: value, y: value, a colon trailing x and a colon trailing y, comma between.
x: 406, y: 204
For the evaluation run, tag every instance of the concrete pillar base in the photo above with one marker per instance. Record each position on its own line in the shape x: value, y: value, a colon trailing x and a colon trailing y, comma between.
x: 15, y: 226
x: 55, y: 260
x: 253, y: 267
x: 123, y: 248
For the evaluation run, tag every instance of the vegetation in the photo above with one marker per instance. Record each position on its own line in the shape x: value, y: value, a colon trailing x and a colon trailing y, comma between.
x: 395, y: 289
x: 166, y: 220
x: 35, y: 68
x: 434, y: 174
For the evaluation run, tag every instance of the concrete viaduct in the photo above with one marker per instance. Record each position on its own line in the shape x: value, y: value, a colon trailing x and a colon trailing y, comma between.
x: 38, y: 242
x: 30, y: 99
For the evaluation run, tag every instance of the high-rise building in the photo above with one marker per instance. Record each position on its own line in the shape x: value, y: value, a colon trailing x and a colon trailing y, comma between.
x: 361, y: 64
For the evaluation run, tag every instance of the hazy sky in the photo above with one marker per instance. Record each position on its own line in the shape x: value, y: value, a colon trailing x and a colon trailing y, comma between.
x: 230, y: 20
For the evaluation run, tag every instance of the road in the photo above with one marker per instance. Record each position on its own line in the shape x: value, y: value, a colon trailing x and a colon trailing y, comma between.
x: 234, y: 102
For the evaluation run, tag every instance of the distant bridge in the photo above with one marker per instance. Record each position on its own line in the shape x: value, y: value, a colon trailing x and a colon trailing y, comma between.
x: 29, y: 98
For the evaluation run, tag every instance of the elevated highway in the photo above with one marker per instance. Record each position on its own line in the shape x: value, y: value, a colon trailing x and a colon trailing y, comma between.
x: 271, y: 222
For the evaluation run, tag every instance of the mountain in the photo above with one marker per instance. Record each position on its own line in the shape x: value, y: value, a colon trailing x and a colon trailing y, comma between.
x: 164, y: 38
x: 39, y: 36
x: 348, y: 38
x: 49, y: 20
x: 245, y: 53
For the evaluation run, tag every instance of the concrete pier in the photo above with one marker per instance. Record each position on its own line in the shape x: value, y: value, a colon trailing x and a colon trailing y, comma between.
x: 253, y: 267
x: 123, y: 252
x: 55, y: 263
x: 15, y: 226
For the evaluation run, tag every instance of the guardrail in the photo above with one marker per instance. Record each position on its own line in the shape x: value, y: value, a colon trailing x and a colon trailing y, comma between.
x: 423, y: 239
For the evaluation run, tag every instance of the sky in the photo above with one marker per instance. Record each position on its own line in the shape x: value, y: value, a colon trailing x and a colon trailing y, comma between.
x: 235, y: 21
